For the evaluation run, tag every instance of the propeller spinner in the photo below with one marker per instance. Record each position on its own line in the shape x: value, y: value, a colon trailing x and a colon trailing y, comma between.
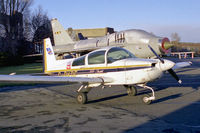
x: 167, y: 65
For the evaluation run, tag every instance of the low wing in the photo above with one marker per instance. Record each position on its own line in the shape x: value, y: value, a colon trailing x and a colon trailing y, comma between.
x: 51, y: 79
x: 181, y: 65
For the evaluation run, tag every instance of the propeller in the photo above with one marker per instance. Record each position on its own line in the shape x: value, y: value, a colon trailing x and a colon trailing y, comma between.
x: 171, y: 71
x: 156, y: 54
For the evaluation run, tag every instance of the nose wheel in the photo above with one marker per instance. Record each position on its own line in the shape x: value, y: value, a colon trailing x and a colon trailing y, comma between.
x: 147, y: 99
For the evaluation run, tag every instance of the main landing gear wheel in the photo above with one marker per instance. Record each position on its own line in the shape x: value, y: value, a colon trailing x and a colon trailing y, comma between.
x: 82, y: 97
x: 131, y: 90
x: 146, y: 99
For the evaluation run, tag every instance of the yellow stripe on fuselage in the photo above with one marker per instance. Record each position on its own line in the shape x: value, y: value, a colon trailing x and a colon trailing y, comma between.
x: 97, y: 68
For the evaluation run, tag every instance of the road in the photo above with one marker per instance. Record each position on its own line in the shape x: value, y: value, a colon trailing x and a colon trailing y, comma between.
x: 53, y: 108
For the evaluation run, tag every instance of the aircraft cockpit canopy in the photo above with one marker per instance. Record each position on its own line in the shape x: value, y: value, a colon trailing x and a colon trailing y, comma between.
x: 117, y: 53
x: 103, y: 56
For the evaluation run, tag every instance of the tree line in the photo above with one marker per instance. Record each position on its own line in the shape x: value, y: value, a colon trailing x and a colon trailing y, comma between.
x: 19, y: 29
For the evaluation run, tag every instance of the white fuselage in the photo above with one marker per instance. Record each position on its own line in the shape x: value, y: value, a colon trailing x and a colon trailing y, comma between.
x: 115, y: 63
x: 127, y: 71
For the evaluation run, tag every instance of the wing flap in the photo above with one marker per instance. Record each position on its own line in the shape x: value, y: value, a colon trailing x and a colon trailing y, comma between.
x: 50, y: 79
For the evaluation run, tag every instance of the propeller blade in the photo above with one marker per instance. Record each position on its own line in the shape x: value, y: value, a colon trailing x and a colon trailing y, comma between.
x: 156, y: 54
x: 171, y: 71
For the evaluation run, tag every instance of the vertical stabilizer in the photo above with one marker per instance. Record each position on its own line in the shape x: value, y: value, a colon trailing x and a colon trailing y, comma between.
x: 61, y: 37
x: 50, y: 62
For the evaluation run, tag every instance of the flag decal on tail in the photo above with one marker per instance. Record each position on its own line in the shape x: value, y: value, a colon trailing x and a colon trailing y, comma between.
x: 49, y: 51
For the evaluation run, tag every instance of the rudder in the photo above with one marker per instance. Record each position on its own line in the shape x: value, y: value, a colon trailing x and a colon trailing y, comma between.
x: 50, y: 62
x: 61, y: 37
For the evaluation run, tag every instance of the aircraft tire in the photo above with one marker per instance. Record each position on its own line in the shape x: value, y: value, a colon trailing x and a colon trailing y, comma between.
x: 131, y: 91
x: 82, y: 98
x: 145, y: 99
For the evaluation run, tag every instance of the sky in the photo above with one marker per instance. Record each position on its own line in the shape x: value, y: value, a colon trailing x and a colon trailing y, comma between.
x: 161, y: 17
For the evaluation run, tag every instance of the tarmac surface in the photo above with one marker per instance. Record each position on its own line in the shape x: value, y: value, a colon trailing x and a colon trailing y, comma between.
x: 53, y: 108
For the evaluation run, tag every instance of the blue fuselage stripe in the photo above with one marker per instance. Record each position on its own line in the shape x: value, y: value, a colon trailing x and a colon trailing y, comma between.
x: 94, y: 71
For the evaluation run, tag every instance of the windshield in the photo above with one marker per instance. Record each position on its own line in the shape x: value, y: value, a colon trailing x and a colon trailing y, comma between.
x: 79, y: 61
x: 117, y: 53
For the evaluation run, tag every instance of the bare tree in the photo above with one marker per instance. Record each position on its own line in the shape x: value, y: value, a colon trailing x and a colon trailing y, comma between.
x: 175, y: 37
x: 10, y: 7
x: 11, y: 27
x: 11, y: 16
x: 40, y: 25
x: 17, y: 26
x: 27, y: 33
x: 39, y: 18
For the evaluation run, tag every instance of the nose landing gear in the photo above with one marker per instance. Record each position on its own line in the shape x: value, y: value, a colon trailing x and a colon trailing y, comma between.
x: 147, y: 99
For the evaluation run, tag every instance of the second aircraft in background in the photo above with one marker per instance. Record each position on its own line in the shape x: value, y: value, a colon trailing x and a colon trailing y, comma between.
x: 136, y: 41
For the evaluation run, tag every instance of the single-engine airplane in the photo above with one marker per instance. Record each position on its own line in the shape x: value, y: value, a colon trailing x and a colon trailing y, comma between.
x: 134, y: 40
x: 103, y: 67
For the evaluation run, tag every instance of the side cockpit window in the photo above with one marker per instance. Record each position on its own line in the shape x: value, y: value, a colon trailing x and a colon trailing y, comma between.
x: 79, y: 61
x: 97, y: 57
x: 117, y: 53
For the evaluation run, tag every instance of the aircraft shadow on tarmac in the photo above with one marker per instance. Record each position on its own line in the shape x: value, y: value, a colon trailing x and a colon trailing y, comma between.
x: 122, y: 95
x: 107, y: 98
x: 167, y: 98
x: 13, y: 88
x: 188, y: 80
x: 159, y: 85
x: 184, y: 120
x: 165, y: 82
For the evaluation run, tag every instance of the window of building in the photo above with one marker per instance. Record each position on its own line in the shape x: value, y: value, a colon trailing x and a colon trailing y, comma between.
x: 96, y: 57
